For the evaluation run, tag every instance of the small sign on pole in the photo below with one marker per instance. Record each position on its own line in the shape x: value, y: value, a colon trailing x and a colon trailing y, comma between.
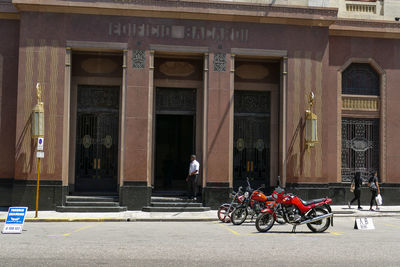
x: 364, y: 224
x: 40, y: 143
x: 15, y: 220
x: 40, y: 154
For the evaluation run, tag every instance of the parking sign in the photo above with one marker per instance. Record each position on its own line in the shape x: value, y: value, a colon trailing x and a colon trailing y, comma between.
x: 15, y: 220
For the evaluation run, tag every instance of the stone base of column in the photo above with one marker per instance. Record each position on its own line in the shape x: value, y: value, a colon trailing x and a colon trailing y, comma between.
x: 134, y: 195
x: 51, y: 194
x: 6, y: 186
x: 215, y: 194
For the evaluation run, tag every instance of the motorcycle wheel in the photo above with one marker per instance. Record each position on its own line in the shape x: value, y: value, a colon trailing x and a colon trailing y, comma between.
x: 322, y: 225
x: 264, y: 222
x: 223, y: 214
x: 238, y: 216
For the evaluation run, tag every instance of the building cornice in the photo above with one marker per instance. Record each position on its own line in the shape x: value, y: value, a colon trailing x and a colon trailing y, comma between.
x: 187, y: 9
x: 365, y: 28
x: 8, y: 11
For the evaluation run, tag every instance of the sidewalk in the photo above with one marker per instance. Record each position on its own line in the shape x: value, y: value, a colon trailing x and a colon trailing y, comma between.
x: 53, y: 216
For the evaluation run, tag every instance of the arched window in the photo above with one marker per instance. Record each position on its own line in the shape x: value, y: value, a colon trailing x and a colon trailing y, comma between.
x: 360, y: 79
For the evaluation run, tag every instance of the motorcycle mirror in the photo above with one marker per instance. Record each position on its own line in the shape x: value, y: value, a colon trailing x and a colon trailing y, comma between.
x: 279, y: 180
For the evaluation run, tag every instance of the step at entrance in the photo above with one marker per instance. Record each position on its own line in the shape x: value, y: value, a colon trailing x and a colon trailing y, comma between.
x: 174, y: 204
x: 91, y: 204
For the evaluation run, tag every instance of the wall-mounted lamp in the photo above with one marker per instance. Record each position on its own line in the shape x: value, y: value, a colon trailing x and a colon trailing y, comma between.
x: 38, y: 115
x: 311, y: 124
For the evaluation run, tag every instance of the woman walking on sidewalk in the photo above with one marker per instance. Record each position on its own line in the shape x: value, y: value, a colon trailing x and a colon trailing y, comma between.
x: 374, y: 187
x: 357, y: 190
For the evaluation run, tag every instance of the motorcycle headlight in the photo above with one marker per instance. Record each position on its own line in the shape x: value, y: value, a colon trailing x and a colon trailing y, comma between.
x: 246, y: 195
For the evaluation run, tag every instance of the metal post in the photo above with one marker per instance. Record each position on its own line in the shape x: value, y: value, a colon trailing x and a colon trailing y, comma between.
x: 37, y: 189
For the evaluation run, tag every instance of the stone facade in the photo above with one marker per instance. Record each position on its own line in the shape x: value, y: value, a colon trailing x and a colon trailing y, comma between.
x: 203, y: 44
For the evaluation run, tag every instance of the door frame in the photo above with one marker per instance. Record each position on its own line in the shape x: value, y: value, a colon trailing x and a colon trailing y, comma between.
x: 70, y: 94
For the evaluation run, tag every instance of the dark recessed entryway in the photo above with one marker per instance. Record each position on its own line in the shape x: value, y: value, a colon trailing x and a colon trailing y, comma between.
x: 175, y: 137
x: 174, y: 145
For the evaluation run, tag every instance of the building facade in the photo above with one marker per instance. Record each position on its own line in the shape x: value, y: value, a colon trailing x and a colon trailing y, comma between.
x: 132, y: 88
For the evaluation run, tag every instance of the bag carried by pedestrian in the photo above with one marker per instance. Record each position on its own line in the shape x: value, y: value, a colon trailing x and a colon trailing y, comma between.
x: 352, y: 187
x: 378, y: 200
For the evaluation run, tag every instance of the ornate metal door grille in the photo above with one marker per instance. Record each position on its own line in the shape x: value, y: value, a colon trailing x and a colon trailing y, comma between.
x: 360, y: 147
x: 97, y: 138
x: 251, y: 137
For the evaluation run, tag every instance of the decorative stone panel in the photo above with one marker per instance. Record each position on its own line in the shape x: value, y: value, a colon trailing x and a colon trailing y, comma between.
x: 219, y: 62
x: 138, y: 59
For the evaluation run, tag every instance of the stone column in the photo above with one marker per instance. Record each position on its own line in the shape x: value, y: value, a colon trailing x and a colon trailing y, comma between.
x: 219, y: 106
x: 283, y: 128
x: 135, y: 191
x: 205, y: 117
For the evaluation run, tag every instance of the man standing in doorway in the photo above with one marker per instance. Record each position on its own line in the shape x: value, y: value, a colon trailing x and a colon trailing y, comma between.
x: 194, y: 168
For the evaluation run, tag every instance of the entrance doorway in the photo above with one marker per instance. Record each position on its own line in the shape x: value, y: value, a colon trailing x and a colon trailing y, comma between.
x: 251, y: 156
x: 96, y: 164
x: 174, y: 145
x: 175, y: 137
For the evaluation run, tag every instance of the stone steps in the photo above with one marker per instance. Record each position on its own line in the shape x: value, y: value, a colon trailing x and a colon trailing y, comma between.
x: 174, y: 204
x: 91, y: 204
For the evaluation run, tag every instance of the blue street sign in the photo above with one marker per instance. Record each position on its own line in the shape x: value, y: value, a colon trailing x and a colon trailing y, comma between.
x: 15, y: 220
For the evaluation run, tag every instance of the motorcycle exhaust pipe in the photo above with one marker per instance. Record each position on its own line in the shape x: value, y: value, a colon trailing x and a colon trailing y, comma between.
x: 317, y: 218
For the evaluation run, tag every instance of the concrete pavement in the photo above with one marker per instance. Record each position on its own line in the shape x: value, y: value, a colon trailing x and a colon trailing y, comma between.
x: 53, y: 216
x: 200, y: 244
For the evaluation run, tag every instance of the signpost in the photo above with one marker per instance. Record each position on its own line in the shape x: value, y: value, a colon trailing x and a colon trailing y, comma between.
x: 364, y: 224
x: 40, y: 144
x: 39, y: 155
x: 15, y: 220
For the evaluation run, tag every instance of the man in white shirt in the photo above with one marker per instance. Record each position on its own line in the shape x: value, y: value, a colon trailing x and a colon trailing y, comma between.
x: 194, y: 168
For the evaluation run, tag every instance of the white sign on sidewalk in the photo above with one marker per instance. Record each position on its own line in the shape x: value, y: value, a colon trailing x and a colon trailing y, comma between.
x: 364, y: 224
x: 15, y: 220
x: 40, y: 143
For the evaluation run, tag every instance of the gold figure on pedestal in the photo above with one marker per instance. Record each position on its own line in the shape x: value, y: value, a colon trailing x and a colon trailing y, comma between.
x: 311, y: 136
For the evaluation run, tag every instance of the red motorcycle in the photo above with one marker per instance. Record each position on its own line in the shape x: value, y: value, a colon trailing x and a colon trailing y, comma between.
x: 225, y: 210
x: 316, y: 213
x: 255, y: 201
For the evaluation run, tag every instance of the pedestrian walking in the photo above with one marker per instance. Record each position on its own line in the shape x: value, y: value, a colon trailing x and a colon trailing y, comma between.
x: 374, y: 187
x: 194, y: 168
x: 357, y: 190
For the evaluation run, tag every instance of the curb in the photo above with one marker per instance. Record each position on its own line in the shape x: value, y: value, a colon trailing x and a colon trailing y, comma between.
x: 118, y: 220
x: 173, y: 219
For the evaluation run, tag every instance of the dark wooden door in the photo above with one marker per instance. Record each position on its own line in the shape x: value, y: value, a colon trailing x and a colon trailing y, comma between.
x: 251, y: 138
x: 96, y: 166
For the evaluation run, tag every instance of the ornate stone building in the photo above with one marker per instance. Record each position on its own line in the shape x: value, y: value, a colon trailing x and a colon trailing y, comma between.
x: 132, y: 88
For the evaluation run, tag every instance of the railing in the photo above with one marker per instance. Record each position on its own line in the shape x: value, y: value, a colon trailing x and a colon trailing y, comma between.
x: 364, y: 8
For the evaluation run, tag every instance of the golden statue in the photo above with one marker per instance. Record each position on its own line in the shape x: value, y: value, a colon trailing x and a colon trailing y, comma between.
x: 39, y: 92
x: 311, y: 98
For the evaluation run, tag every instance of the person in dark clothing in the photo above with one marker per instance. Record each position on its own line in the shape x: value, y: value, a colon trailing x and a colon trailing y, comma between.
x: 374, y: 187
x: 357, y: 190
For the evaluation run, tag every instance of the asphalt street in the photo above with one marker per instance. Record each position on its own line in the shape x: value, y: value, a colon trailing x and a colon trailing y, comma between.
x: 200, y: 244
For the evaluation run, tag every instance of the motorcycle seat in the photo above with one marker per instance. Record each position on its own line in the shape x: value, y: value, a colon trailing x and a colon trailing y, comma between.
x: 312, y: 201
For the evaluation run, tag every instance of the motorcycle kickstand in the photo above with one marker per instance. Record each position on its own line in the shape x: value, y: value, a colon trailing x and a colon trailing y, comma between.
x: 294, y: 229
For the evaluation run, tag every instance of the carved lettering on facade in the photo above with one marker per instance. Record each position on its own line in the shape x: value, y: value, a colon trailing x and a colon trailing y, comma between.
x: 160, y: 31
